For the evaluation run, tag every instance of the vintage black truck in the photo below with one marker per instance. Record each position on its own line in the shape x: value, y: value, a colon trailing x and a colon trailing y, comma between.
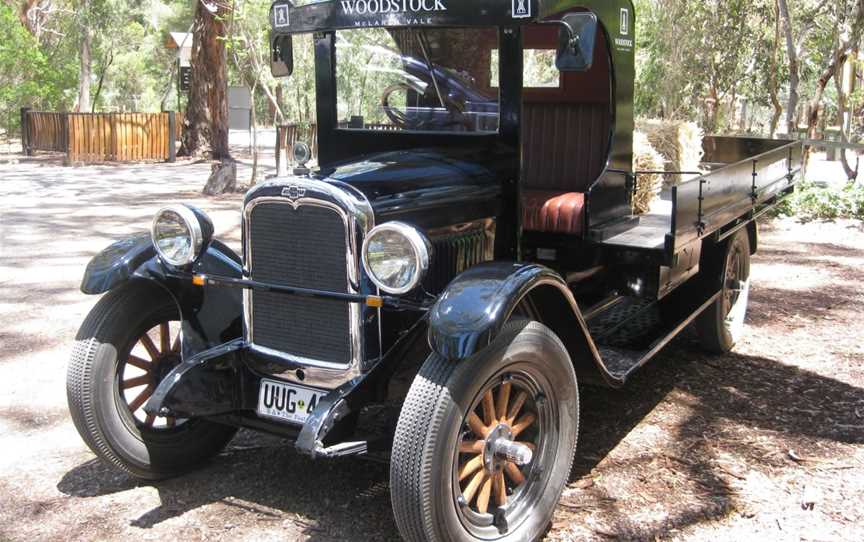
x: 434, y: 292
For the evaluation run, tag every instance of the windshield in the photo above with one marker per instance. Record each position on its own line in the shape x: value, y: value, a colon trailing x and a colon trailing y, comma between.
x: 428, y: 80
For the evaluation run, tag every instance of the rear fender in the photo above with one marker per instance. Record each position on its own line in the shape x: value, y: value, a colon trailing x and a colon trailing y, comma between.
x: 478, y: 303
x: 211, y: 315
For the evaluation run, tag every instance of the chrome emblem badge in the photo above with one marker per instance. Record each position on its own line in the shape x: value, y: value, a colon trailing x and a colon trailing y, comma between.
x: 293, y: 192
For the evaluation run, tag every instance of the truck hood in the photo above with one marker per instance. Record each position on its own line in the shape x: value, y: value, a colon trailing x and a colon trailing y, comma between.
x: 402, y: 185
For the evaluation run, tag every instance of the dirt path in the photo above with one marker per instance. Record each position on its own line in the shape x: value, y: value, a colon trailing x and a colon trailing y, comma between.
x: 766, y: 443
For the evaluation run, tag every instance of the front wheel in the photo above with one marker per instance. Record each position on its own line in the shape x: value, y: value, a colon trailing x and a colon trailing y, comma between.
x: 484, y: 447
x: 129, y: 342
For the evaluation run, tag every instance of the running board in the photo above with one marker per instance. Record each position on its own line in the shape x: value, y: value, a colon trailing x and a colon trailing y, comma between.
x: 621, y: 363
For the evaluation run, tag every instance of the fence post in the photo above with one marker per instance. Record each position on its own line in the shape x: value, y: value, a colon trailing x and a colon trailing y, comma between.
x: 279, y: 150
x: 67, y: 139
x: 172, y: 136
x: 25, y: 133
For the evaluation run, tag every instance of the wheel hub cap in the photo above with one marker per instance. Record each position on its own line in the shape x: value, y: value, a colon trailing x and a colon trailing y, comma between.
x: 501, y: 448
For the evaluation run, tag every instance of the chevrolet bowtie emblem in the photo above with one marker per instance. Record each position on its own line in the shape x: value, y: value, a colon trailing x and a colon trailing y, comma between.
x: 293, y: 192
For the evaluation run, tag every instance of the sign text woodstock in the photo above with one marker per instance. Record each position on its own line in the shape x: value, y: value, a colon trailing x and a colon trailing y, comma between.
x: 381, y: 7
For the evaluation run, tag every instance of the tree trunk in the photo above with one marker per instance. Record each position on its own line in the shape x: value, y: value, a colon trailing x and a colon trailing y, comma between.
x: 24, y: 15
x: 254, y: 138
x: 848, y: 42
x: 206, y: 133
x: 840, y: 84
x: 279, y: 104
x: 99, y: 84
x: 794, y: 70
x: 86, y: 69
x: 816, y: 102
x: 773, y: 84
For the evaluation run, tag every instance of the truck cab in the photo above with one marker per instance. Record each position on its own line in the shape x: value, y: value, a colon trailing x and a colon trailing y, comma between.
x: 464, y: 256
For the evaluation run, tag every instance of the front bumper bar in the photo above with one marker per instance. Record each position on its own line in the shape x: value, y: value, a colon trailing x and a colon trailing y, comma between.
x: 220, y: 384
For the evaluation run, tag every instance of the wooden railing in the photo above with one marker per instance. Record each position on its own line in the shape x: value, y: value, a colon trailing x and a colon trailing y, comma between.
x: 101, y: 137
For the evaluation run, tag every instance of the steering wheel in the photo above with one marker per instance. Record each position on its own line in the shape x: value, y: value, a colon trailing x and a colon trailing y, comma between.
x: 416, y: 122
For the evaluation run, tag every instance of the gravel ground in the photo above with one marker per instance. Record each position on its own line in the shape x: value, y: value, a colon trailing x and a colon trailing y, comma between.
x: 766, y: 443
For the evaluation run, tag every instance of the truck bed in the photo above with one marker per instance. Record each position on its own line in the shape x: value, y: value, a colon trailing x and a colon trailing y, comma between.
x: 745, y: 176
x: 651, y: 229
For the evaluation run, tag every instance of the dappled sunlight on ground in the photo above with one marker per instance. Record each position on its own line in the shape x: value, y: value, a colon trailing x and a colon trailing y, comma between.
x: 766, y: 443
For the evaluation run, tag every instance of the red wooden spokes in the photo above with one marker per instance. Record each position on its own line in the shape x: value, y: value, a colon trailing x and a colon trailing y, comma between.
x: 478, y: 484
x: 145, y: 378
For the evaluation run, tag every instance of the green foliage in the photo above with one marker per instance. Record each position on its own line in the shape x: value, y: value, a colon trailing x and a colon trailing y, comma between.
x: 28, y: 76
x: 695, y: 60
x: 694, y: 57
x: 813, y: 201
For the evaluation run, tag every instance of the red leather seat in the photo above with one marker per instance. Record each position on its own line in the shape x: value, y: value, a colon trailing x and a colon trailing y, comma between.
x: 553, y: 211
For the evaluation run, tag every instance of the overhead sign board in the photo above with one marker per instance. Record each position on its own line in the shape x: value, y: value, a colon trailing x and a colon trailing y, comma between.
x: 344, y: 14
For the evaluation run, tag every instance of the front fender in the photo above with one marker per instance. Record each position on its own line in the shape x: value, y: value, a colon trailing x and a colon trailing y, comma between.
x: 478, y: 303
x: 211, y: 315
x: 117, y: 264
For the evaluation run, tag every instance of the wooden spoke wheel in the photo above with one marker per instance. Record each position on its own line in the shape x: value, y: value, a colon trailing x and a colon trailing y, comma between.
x: 498, y: 446
x: 483, y: 446
x: 505, y: 448
x: 125, y: 347
x: 152, y: 357
x: 734, y: 279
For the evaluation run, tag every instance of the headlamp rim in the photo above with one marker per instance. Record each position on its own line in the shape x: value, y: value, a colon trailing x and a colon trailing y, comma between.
x: 194, y: 226
x: 419, y: 243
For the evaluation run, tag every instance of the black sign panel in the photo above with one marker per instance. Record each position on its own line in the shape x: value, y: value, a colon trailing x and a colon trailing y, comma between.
x: 185, y: 78
x: 344, y: 14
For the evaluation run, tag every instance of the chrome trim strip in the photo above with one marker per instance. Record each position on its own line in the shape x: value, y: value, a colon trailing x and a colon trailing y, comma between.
x: 358, y: 218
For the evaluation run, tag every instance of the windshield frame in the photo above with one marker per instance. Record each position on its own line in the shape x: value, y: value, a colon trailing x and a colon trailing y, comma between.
x: 433, y: 86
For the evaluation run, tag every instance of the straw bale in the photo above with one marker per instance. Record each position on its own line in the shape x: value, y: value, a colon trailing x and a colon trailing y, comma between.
x: 648, y: 185
x: 680, y: 144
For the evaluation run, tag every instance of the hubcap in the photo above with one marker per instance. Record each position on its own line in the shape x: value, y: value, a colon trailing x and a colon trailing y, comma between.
x: 496, y: 452
x: 151, y: 358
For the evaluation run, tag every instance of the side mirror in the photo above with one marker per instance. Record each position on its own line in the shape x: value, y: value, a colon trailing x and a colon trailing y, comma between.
x: 576, y: 42
x: 281, y: 55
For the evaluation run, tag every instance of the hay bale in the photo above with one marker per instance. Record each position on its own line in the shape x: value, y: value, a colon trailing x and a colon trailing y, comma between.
x: 648, y: 185
x: 680, y: 144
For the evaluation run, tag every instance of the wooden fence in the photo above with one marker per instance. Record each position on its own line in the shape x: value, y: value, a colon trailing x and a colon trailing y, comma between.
x: 102, y: 137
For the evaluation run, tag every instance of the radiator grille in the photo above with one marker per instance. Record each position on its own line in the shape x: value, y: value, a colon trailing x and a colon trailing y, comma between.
x: 303, y: 247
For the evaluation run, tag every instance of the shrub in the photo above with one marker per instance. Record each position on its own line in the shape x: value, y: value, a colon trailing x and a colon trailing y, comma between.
x: 817, y: 202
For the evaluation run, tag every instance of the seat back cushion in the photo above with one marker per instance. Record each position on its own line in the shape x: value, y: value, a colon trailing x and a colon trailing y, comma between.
x: 565, y: 145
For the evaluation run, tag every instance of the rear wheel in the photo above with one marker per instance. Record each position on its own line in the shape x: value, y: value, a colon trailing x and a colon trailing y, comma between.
x: 721, y: 326
x: 483, y: 447
x: 127, y: 345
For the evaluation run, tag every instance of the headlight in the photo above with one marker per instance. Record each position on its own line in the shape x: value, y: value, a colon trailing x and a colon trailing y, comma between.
x: 396, y: 257
x: 179, y: 234
x: 302, y: 153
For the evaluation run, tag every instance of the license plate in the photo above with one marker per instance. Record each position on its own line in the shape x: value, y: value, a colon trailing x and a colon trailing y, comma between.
x: 286, y: 402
